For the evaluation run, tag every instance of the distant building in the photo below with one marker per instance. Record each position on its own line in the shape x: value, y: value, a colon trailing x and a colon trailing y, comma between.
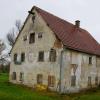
x: 56, y: 53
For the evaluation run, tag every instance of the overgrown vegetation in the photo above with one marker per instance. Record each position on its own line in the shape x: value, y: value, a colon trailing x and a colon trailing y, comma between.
x: 10, y: 91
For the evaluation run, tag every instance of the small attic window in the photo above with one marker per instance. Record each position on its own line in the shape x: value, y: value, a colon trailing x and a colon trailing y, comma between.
x: 40, y: 35
x: 25, y: 38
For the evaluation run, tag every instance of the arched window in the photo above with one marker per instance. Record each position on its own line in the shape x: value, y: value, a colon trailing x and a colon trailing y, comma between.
x: 52, y: 56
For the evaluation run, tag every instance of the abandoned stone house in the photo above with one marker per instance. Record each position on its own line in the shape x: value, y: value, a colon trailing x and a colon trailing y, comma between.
x: 55, y: 53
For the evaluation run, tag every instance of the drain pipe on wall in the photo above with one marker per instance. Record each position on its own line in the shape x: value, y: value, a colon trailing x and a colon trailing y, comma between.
x: 61, y: 71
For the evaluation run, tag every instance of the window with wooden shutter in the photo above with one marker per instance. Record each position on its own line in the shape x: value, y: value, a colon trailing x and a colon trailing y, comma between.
x: 14, y: 76
x: 41, y: 56
x: 52, y: 56
x: 32, y: 38
x: 73, y: 80
x: 39, y: 79
x: 51, y: 81
x: 22, y: 57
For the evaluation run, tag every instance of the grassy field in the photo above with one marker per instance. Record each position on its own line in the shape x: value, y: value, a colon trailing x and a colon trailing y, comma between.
x: 10, y: 91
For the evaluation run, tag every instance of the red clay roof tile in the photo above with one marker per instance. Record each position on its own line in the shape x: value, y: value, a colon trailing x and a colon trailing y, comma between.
x: 71, y: 36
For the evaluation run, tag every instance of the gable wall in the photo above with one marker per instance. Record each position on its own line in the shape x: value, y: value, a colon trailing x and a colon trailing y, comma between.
x: 33, y: 67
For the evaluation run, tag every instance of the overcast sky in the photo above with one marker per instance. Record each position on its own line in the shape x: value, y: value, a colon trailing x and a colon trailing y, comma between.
x: 87, y: 11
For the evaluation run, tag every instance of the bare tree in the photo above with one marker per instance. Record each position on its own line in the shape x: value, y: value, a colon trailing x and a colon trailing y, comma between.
x: 12, y: 34
x: 2, y: 46
x: 11, y: 37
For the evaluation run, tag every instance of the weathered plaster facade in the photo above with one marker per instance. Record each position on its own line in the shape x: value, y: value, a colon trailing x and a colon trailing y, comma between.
x: 73, y: 62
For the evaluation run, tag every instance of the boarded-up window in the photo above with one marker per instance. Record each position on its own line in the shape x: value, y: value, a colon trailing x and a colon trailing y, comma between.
x: 96, y: 80
x: 90, y: 60
x: 73, y: 80
x: 51, y: 81
x: 15, y: 57
x: 39, y: 78
x: 14, y: 76
x: 89, y: 81
x: 52, y: 56
x: 32, y: 38
x: 41, y: 56
x: 23, y: 57
x: 21, y: 76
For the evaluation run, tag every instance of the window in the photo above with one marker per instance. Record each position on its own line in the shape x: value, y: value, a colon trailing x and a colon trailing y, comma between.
x: 39, y: 78
x: 73, y: 80
x: 90, y: 60
x: 15, y: 57
x: 89, y: 81
x: 41, y: 56
x: 51, y: 81
x: 23, y: 57
x: 21, y: 76
x: 40, y: 35
x: 32, y: 38
x: 96, y: 80
x: 14, y: 76
x: 52, y: 56
x: 25, y: 38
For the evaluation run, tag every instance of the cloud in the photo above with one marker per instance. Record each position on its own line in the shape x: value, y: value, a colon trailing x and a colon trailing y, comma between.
x: 85, y: 10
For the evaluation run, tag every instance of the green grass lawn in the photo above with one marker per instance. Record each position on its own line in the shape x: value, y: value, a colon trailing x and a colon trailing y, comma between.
x: 10, y: 91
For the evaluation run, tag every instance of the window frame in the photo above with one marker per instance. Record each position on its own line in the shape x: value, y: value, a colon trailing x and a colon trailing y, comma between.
x: 90, y: 60
x: 52, y: 55
x: 14, y: 76
x: 73, y: 80
x: 22, y: 57
x: 41, y: 56
x: 32, y: 38
x: 51, y: 80
x: 89, y: 81
x: 15, y: 57
x: 21, y: 76
x: 40, y: 35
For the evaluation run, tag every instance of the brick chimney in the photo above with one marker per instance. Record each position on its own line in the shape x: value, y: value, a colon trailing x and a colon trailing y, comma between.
x: 77, y: 23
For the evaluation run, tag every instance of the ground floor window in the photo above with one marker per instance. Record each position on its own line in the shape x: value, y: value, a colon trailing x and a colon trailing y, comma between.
x: 14, y: 76
x: 21, y: 76
x: 51, y: 81
x: 89, y: 81
x: 73, y: 80
x: 39, y: 79
x: 96, y: 80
